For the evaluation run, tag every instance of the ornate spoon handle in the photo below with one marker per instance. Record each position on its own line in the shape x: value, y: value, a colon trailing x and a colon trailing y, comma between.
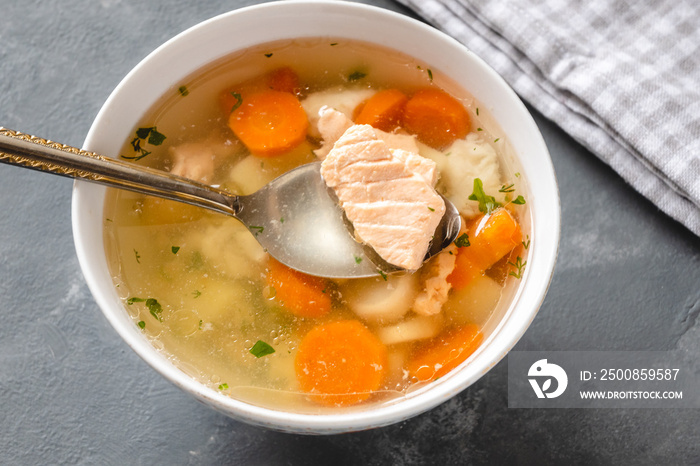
x: 35, y: 153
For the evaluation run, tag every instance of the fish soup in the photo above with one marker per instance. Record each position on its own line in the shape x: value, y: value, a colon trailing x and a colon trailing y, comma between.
x: 206, y: 294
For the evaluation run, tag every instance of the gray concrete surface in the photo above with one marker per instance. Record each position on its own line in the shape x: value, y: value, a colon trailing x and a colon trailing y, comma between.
x: 71, y: 392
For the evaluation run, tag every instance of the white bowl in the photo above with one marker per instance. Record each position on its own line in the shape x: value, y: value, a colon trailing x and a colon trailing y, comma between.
x: 239, y: 29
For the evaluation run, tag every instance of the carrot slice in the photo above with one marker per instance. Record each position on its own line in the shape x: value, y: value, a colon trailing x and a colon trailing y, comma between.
x: 340, y: 363
x: 435, y: 117
x: 443, y: 353
x: 284, y: 79
x: 302, y: 295
x: 383, y: 110
x: 269, y: 123
x: 491, y: 237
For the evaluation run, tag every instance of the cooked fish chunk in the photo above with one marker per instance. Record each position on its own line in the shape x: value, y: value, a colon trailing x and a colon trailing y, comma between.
x: 465, y: 160
x: 387, y: 195
x: 194, y: 161
x: 436, y: 287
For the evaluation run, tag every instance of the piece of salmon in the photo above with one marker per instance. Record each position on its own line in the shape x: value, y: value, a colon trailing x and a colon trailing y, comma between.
x: 388, y: 195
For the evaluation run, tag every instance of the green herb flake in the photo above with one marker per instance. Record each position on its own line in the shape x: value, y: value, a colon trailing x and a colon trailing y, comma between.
x: 477, y: 111
x: 184, y: 92
x: 260, y: 349
x: 519, y: 200
x: 497, y: 139
x: 155, y: 309
x: 517, y: 174
x: 148, y: 134
x: 507, y: 188
x: 487, y: 204
x: 258, y: 229
x: 239, y: 101
x: 430, y: 74
x: 356, y: 76
x: 384, y: 275
x: 519, y: 266
x: 281, y: 219
x: 196, y: 294
x: 268, y: 55
x: 358, y: 259
x: 109, y: 220
x: 223, y: 386
x: 479, y: 129
x: 156, y: 138
x: 151, y: 303
x: 138, y: 257
x: 175, y: 249
x: 141, y: 324
x: 431, y: 209
x: 333, y: 44
x: 526, y: 243
x: 142, y: 133
x: 200, y: 324
x: 462, y: 241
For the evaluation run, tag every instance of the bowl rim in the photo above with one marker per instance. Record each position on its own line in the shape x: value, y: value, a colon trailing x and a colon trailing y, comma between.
x: 546, y: 219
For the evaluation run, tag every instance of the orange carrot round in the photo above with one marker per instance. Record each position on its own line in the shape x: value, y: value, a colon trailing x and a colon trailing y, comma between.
x: 284, y: 79
x: 383, y: 110
x: 340, y: 363
x: 269, y: 123
x: 435, y: 117
x: 440, y: 355
x: 302, y: 295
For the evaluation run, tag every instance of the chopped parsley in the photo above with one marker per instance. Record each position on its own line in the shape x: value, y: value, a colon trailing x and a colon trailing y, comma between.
x: 356, y: 76
x: 184, y: 92
x: 519, y: 266
x: 239, y: 101
x: 358, y: 259
x: 497, y: 139
x: 141, y: 324
x: 152, y: 304
x: 507, y: 188
x: 519, y: 200
x: 268, y: 55
x: 430, y: 74
x: 223, y: 386
x: 175, y: 249
x: 257, y: 229
x: 196, y: 294
x: 462, y: 241
x: 477, y: 111
x: 138, y: 257
x: 384, y: 276
x: 431, y: 209
x: 526, y: 243
x: 148, y: 135
x: 260, y: 349
x: 487, y: 204
x: 333, y: 44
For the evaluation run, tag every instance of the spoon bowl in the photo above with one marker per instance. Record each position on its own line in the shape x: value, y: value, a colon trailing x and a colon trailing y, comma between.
x: 294, y: 217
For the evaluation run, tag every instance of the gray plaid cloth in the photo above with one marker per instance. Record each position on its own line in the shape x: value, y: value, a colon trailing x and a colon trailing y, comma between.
x: 620, y: 76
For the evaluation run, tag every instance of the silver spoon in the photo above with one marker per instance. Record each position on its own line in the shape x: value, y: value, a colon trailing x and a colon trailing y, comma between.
x: 294, y: 217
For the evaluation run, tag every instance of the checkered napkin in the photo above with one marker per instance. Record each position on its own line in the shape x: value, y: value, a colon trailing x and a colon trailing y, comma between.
x: 620, y: 76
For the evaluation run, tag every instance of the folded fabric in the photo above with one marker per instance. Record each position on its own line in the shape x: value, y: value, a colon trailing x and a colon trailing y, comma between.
x: 621, y: 77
